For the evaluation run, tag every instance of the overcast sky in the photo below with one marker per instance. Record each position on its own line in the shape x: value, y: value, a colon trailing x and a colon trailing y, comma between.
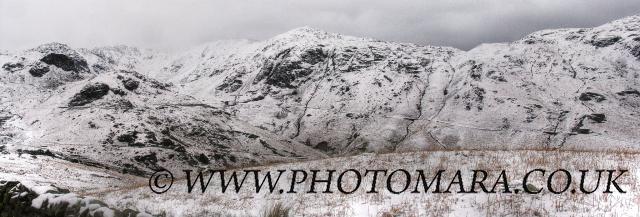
x: 178, y: 24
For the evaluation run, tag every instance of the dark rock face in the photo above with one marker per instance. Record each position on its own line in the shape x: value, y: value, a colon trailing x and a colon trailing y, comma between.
x: 65, y: 62
x: 589, y: 96
x: 284, y: 73
x: 313, y: 56
x: 12, y: 67
x: 39, y: 70
x: 89, y: 94
x: 130, y: 84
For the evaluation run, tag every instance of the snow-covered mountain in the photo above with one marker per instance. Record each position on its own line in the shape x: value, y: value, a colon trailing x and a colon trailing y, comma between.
x: 74, y: 105
x: 308, y: 93
x: 574, y: 88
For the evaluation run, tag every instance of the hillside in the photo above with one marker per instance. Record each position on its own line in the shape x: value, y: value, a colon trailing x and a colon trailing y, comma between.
x: 575, y: 88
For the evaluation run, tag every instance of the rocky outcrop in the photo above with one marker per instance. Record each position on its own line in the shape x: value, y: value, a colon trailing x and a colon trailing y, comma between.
x: 19, y: 200
x: 12, y: 67
x: 65, y: 62
x: 130, y: 84
x: 63, y: 57
x: 39, y: 70
x: 89, y: 93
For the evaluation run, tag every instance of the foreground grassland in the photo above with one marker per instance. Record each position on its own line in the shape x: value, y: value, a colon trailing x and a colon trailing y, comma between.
x: 247, y: 203
x: 129, y: 192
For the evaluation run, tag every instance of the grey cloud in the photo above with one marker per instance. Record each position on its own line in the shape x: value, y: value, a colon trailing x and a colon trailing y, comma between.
x: 174, y: 24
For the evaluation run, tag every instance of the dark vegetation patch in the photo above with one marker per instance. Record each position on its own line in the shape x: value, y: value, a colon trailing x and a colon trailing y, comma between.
x: 130, y: 138
x: 324, y: 147
x: 133, y: 170
x: 42, y: 152
x: 149, y: 160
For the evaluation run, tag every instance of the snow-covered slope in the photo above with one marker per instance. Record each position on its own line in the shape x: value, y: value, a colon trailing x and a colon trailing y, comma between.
x: 574, y: 88
x: 332, y: 92
x: 76, y: 106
